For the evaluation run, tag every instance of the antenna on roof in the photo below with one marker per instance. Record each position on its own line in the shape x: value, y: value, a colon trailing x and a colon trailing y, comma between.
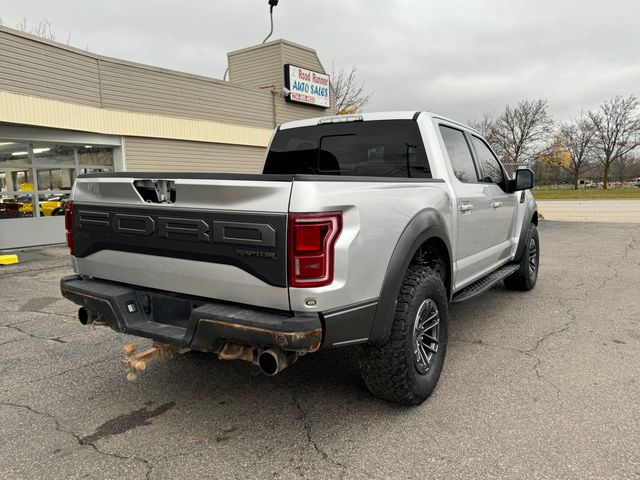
x: 272, y: 3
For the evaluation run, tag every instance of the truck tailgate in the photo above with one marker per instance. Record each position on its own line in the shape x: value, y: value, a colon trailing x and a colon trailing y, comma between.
x: 214, y: 236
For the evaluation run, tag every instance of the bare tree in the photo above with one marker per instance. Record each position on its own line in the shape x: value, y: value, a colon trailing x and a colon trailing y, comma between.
x: 616, y: 131
x: 485, y: 126
x: 42, y: 29
x: 350, y: 93
x: 522, y: 132
x: 576, y: 138
x: 519, y: 134
x: 620, y: 169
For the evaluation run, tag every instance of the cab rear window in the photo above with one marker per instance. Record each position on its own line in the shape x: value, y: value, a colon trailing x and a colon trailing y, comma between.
x: 381, y: 148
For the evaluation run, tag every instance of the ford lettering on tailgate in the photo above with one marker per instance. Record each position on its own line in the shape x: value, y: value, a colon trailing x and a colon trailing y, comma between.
x: 246, y: 240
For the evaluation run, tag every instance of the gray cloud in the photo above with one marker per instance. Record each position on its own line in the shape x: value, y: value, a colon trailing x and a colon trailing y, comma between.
x: 459, y: 58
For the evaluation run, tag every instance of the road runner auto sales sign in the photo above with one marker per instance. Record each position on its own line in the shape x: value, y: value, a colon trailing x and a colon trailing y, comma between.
x: 307, y: 86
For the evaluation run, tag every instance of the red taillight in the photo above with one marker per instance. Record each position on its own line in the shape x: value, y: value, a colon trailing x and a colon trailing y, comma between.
x: 312, y: 237
x: 68, y: 224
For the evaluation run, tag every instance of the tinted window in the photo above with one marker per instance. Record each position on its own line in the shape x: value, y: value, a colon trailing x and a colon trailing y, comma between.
x: 459, y: 154
x: 491, y: 170
x: 382, y: 148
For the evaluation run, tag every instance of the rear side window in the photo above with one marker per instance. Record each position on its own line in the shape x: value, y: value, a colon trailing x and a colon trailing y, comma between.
x: 491, y: 169
x: 380, y: 148
x: 459, y: 154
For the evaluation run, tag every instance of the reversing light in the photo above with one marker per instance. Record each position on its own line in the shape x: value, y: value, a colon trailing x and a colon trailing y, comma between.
x: 311, y: 242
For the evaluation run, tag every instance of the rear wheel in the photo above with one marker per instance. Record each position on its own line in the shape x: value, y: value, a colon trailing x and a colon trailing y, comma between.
x: 406, y: 369
x: 526, y: 276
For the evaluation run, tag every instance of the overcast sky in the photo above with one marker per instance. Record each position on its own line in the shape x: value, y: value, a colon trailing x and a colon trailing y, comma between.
x: 458, y: 58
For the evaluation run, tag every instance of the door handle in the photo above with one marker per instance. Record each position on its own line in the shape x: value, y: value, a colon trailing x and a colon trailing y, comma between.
x: 496, y: 204
x: 466, y: 207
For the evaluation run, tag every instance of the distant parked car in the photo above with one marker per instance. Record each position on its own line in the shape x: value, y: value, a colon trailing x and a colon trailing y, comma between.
x: 10, y: 209
x: 53, y: 206
x: 637, y: 182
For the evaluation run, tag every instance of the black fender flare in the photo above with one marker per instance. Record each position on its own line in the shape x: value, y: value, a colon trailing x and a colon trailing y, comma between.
x: 530, y: 210
x: 423, y: 226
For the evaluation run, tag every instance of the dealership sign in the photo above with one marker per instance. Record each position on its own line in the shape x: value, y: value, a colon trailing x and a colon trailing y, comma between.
x: 307, y: 86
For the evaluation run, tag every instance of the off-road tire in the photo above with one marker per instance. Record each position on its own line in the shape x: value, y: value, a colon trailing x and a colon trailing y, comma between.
x: 390, y: 370
x: 525, y: 278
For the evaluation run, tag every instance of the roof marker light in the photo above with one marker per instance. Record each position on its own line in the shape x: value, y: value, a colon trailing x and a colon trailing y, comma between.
x: 340, y: 119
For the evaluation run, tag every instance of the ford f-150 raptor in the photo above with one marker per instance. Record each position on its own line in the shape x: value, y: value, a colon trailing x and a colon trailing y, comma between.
x: 360, y: 231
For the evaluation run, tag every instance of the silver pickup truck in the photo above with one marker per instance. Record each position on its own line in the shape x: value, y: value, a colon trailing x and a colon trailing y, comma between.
x: 360, y: 231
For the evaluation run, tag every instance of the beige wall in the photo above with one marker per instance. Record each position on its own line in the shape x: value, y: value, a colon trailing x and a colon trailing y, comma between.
x: 36, y: 68
x: 257, y: 66
x: 32, y: 66
x: 171, y: 120
x: 29, y: 110
x: 263, y: 65
x: 153, y: 154
x: 45, y: 69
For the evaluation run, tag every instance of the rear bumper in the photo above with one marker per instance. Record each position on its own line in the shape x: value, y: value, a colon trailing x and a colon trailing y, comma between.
x: 192, y: 322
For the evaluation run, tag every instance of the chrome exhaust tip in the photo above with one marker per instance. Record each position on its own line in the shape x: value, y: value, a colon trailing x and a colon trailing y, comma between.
x: 272, y: 361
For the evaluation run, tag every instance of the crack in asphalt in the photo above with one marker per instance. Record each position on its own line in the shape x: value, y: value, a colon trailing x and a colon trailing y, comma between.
x: 64, y: 372
x: 74, y: 317
x: 33, y: 335
x: 80, y: 440
x: 527, y: 353
x: 310, y: 440
x: 609, y: 278
x: 630, y: 246
x: 17, y: 323
x: 58, y: 339
x: 533, y: 351
x: 553, y: 333
x: 59, y: 374
x: 44, y: 312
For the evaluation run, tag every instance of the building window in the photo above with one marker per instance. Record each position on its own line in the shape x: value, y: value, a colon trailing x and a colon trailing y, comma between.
x: 36, y: 178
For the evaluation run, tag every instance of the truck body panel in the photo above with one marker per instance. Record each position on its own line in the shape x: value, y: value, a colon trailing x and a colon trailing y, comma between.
x: 211, y: 261
x: 218, y: 237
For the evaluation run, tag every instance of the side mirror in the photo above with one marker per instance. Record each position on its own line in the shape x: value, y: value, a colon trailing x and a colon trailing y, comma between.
x: 524, y: 180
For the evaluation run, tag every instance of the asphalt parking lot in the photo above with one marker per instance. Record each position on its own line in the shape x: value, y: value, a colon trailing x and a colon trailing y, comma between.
x: 543, y: 384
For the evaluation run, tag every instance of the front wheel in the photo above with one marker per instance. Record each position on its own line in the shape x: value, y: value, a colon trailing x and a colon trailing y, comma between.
x: 407, y: 367
x: 526, y: 276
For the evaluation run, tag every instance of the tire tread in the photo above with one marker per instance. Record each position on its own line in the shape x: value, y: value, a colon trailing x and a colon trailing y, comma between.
x: 520, y: 280
x: 388, y: 369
